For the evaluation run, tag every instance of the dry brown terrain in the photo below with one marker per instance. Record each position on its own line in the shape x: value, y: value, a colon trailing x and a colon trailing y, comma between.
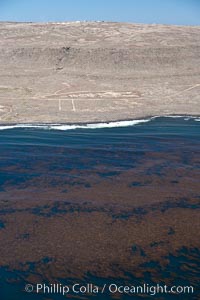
x: 97, y: 71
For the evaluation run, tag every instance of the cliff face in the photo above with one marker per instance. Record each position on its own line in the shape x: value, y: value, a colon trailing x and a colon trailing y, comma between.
x: 80, y: 71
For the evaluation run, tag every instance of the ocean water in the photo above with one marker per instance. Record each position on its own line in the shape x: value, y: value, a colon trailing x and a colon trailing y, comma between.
x: 130, y: 187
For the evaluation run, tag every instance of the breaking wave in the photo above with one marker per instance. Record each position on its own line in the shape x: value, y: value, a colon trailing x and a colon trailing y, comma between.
x: 77, y: 126
x: 92, y: 125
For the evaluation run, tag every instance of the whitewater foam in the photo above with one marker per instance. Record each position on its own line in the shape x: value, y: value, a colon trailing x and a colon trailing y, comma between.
x: 77, y: 126
x: 112, y: 124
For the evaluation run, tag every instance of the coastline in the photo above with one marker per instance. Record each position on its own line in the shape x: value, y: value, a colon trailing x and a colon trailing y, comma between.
x: 95, y: 125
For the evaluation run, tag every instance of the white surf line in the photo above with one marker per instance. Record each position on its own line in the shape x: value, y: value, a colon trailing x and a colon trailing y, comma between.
x: 77, y: 126
x: 99, y: 125
x: 73, y: 105
x: 111, y: 124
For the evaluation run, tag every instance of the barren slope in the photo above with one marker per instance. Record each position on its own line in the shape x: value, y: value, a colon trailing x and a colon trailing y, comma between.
x: 96, y: 71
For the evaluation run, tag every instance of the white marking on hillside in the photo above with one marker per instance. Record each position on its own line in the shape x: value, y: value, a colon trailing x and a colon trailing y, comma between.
x: 73, y: 105
x: 60, y: 105
x: 185, y: 90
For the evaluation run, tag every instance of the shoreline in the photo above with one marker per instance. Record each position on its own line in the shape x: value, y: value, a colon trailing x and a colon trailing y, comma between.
x: 88, y: 124
x: 104, y: 121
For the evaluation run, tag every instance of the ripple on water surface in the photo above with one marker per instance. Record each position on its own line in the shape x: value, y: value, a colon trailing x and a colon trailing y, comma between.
x: 101, y: 203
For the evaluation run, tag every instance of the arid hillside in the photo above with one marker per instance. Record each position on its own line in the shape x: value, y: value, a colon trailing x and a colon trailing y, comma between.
x: 97, y: 71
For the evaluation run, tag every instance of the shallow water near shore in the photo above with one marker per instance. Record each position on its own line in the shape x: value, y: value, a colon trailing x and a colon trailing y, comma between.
x: 100, y: 205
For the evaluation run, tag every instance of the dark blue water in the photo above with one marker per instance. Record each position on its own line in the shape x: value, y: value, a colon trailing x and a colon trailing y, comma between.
x: 86, y: 149
x: 37, y: 158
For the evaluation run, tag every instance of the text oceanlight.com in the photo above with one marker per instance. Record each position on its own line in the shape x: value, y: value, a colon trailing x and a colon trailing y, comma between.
x: 107, y: 289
